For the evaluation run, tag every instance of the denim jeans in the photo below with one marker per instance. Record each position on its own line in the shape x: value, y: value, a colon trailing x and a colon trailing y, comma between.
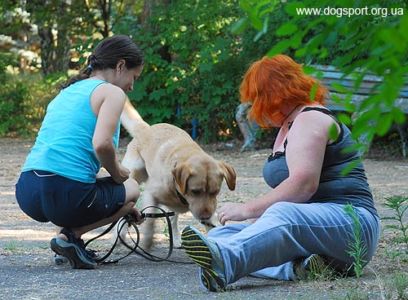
x: 289, y: 231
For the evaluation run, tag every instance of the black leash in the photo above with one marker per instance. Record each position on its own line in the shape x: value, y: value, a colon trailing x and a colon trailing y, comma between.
x: 132, y: 223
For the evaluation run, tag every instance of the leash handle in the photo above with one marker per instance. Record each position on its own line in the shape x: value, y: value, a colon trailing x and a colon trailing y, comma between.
x: 129, y: 218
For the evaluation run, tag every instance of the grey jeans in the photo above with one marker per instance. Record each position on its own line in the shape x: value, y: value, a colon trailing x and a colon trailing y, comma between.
x: 289, y: 231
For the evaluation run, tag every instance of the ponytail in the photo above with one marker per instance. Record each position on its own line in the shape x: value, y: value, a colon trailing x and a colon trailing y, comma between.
x: 83, y: 74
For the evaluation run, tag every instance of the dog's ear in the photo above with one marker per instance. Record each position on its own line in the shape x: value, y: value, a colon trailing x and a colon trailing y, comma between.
x: 181, y: 173
x: 229, y: 175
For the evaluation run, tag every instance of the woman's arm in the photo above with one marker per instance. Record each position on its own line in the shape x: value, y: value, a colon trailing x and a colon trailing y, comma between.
x: 112, y: 100
x: 305, y: 151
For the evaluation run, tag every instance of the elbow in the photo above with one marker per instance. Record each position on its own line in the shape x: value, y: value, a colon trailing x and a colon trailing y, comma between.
x: 306, y: 187
x: 102, y: 146
x: 310, y: 189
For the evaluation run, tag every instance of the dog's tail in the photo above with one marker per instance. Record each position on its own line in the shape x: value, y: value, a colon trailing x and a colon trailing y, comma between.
x: 131, y: 119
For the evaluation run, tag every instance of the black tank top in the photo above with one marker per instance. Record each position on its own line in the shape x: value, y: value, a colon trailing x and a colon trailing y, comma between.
x: 333, y: 187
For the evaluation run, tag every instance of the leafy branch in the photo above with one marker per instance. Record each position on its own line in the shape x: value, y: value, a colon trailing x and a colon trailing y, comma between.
x: 357, y: 249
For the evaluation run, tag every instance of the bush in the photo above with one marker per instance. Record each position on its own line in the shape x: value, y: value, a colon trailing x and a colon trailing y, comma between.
x: 23, y: 99
x: 13, y: 92
x: 194, y: 65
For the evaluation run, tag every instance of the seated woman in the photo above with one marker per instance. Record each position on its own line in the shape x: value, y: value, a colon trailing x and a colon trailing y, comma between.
x: 303, y: 215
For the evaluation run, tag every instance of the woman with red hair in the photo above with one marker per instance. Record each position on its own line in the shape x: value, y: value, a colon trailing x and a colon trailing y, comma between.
x: 302, y: 219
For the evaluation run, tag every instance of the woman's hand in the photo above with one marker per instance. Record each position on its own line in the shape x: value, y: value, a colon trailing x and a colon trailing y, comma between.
x: 137, y: 216
x: 233, y: 212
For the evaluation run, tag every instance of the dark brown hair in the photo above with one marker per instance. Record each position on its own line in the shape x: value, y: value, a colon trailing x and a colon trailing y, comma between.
x: 107, y: 54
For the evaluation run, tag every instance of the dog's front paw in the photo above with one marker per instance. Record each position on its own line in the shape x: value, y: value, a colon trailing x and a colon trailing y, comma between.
x: 176, y: 239
x: 177, y: 243
x: 146, y: 243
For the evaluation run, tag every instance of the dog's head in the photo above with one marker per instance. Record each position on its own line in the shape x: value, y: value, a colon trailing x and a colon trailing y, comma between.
x: 199, y: 181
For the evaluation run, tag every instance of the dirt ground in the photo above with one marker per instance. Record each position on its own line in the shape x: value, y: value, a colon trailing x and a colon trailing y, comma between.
x: 27, y: 270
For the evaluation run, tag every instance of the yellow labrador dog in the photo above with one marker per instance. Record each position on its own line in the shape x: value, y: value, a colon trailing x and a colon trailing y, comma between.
x: 177, y: 173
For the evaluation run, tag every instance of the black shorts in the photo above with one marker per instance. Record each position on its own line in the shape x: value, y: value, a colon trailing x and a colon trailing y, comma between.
x: 48, y: 197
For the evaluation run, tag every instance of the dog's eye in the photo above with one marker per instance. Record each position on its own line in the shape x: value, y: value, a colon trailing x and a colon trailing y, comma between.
x: 196, y: 192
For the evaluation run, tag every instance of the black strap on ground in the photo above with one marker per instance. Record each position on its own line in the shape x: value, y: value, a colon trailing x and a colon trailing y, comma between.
x: 135, y: 248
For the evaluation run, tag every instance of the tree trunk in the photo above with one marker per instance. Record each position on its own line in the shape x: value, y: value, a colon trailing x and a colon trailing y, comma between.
x: 148, y: 7
x: 147, y: 11
x: 47, y: 49
x: 62, y: 57
x: 106, y: 10
x: 55, y: 49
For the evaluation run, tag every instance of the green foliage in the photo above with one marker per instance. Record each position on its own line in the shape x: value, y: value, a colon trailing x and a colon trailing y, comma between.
x: 11, y: 247
x: 320, y: 270
x: 23, y: 99
x: 190, y: 72
x: 400, y: 281
x: 12, y: 95
x: 194, y: 65
x: 396, y: 286
x: 399, y: 206
x: 358, y: 45
x: 197, y: 52
x: 357, y: 249
x: 356, y: 294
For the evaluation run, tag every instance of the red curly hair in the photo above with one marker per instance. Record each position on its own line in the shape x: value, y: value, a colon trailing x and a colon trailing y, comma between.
x: 271, y: 82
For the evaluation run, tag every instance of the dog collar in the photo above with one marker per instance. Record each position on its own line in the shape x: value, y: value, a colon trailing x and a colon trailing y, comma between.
x: 181, y: 198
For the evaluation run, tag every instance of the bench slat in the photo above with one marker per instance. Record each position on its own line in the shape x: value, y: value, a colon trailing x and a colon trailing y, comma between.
x: 401, y: 103
x: 332, y: 75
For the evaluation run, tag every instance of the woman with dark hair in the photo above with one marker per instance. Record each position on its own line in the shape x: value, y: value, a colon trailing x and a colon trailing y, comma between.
x: 302, y: 219
x: 78, y: 136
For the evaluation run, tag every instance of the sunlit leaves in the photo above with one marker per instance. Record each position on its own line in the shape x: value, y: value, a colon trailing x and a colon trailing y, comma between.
x: 286, y: 29
x: 367, y: 44
x: 239, y: 26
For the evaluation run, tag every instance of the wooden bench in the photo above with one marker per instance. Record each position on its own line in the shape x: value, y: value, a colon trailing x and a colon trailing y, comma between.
x: 330, y: 77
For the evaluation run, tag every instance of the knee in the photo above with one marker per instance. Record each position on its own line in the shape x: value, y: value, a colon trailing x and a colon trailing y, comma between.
x: 279, y: 207
x: 285, y: 212
x: 226, y: 230
x: 216, y: 232
x: 132, y: 190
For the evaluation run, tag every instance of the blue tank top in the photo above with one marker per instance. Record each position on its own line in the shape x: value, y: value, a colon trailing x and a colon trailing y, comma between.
x: 64, y: 142
x: 333, y: 187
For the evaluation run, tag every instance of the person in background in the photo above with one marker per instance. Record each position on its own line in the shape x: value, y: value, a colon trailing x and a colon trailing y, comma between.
x: 78, y: 136
x: 303, y: 218
x: 247, y: 128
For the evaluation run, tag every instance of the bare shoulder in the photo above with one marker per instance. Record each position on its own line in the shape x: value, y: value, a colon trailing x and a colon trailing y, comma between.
x: 311, y: 125
x: 108, y: 95
x: 109, y: 91
x: 313, y: 119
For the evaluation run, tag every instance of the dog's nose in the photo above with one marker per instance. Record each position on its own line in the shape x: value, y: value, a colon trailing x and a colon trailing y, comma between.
x: 205, y: 216
x: 207, y: 223
x: 205, y: 213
